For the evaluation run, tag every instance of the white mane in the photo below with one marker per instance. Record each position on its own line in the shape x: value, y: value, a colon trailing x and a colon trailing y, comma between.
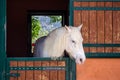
x: 57, y: 42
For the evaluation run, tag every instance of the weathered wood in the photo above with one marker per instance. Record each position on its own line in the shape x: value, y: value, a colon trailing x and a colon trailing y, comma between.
x: 93, y: 27
x: 100, y: 26
x: 45, y: 73
x: 108, y: 26
x: 29, y: 73
x: 53, y: 74
x: 21, y: 72
x: 85, y: 22
x: 13, y: 64
x: 37, y: 73
x: 61, y: 73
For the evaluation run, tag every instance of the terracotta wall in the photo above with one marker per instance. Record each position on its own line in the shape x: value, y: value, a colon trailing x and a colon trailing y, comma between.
x: 99, y: 69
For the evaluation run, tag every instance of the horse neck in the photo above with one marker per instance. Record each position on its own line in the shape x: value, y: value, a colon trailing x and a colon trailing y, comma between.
x: 55, y: 45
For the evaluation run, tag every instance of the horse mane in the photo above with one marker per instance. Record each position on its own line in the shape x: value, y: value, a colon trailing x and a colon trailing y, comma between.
x: 55, y: 42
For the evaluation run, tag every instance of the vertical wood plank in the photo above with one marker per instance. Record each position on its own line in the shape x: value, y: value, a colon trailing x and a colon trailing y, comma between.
x: 77, y: 18
x: 108, y: 27
x: 116, y: 29
x: 45, y: 73
x: 77, y: 15
x: 93, y: 26
x: 22, y: 72
x: 37, y: 73
x: 29, y: 73
x: 53, y: 74
x: 13, y: 64
x: 61, y: 73
x: 85, y: 28
x: 100, y: 26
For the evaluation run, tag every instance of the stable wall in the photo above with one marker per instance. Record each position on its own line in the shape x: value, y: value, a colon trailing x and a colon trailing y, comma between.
x: 99, y: 27
x: 99, y: 69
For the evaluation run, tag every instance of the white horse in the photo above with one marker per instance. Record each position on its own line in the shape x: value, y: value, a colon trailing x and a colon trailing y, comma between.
x: 60, y: 40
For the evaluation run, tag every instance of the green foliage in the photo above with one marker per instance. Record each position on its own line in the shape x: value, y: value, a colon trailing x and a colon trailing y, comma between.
x: 35, y: 28
x: 55, y: 18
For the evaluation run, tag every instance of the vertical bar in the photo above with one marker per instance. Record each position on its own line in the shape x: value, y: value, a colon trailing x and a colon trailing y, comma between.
x: 73, y: 72
x: 71, y: 13
x: 2, y: 39
x: 67, y: 69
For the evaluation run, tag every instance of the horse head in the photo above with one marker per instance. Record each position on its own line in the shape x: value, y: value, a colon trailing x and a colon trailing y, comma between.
x: 74, y: 44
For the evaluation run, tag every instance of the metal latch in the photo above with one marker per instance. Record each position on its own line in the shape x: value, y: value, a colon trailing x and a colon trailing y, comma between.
x: 13, y: 74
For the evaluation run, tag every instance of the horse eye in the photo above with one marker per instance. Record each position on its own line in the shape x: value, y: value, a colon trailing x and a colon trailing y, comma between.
x: 73, y: 41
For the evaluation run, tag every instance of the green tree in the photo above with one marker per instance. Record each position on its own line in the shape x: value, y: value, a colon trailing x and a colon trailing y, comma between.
x: 35, y: 28
x: 55, y: 18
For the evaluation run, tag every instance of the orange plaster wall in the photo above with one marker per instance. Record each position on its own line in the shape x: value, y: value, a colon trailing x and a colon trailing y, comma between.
x: 99, y: 69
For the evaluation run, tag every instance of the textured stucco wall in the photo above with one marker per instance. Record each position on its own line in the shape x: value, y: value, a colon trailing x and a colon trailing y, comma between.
x: 99, y: 69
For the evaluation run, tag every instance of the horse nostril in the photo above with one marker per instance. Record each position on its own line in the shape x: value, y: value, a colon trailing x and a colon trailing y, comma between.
x: 80, y: 60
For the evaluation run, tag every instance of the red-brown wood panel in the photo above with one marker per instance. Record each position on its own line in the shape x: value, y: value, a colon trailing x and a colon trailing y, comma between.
x: 21, y: 72
x: 93, y: 26
x: 53, y: 73
x: 85, y: 22
x: 61, y: 73
x: 77, y: 15
x: 100, y: 26
x: 37, y: 73
x: 108, y: 27
x: 29, y: 73
x: 13, y: 64
x: 45, y: 73
x: 116, y: 27
x: 77, y: 18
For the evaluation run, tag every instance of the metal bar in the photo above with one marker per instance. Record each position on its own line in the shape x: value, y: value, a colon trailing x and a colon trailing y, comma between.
x: 101, y: 45
x: 71, y: 14
x: 67, y: 69
x: 73, y: 74
x: 39, y: 68
x: 12, y: 75
x: 96, y: 0
x: 34, y: 59
x: 2, y: 40
x: 103, y: 55
x: 97, y: 8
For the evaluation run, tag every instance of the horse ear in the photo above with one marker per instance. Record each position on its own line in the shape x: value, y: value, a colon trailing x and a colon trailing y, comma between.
x: 79, y: 27
x: 67, y: 28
